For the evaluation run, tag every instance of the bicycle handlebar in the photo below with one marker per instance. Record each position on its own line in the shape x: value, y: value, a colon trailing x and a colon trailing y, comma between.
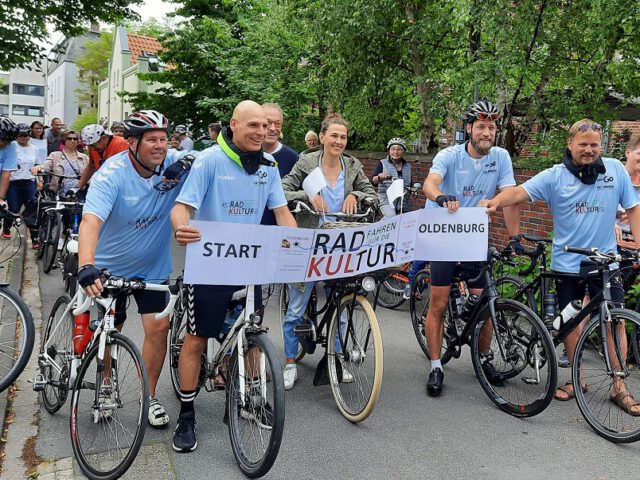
x: 47, y: 173
x: 300, y: 206
x: 605, y: 258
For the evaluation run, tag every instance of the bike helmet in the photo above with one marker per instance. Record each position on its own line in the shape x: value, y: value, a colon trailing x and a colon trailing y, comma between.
x: 144, y: 121
x: 115, y: 125
x: 181, y: 129
x: 482, y: 110
x: 396, y: 141
x: 8, y: 129
x: 92, y: 133
x: 24, y: 128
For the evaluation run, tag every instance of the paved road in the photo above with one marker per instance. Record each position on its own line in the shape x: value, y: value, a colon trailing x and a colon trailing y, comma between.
x: 409, y: 435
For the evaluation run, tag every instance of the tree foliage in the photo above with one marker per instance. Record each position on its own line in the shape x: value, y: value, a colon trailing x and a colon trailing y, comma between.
x: 93, y: 68
x: 23, y: 28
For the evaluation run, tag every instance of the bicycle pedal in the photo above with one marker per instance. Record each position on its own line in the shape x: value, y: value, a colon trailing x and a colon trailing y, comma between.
x: 302, y: 330
x: 530, y: 381
x: 38, y: 383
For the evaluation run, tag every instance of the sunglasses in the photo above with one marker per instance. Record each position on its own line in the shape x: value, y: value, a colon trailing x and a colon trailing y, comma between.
x: 73, y: 139
x: 488, y: 116
x: 596, y: 127
x: 23, y: 134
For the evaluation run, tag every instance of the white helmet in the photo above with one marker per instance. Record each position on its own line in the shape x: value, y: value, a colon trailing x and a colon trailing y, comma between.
x: 92, y: 133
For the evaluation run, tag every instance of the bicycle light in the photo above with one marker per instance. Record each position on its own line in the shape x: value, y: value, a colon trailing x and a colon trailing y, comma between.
x: 72, y: 246
x: 368, y: 284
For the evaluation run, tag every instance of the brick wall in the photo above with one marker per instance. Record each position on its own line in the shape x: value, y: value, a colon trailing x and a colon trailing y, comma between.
x: 535, y: 218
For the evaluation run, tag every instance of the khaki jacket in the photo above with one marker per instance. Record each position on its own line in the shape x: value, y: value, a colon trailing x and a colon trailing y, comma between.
x: 355, y: 182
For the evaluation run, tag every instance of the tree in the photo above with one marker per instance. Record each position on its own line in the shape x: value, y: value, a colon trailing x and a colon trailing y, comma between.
x: 88, y: 117
x: 24, y: 24
x: 93, y: 68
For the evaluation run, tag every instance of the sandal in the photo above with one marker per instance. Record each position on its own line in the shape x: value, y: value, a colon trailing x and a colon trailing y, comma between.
x: 567, y: 388
x: 619, y: 400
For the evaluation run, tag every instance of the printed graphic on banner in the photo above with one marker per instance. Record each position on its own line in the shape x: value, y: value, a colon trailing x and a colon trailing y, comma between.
x: 231, y: 256
x: 406, y: 243
x: 452, y: 237
x: 293, y: 246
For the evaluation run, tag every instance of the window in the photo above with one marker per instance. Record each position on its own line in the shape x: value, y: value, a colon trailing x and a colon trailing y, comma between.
x: 4, y: 109
x: 35, y: 90
x: 4, y: 89
x: 28, y: 111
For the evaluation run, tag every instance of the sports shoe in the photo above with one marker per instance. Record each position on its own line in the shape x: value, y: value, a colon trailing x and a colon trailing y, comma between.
x: 407, y: 292
x: 158, y: 417
x: 563, y: 361
x: 35, y: 245
x: 494, y: 377
x: 60, y: 244
x: 184, y: 437
x: 290, y: 375
x: 434, y: 384
x: 6, y: 235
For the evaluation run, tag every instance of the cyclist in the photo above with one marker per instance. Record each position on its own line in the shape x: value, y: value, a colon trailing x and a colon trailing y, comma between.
x: 461, y: 176
x: 346, y: 186
x: 126, y: 229
x: 185, y: 142
x: 583, y: 193
x: 102, y: 144
x: 235, y: 170
x: 214, y: 130
x: 389, y: 169
x: 311, y: 139
x: 8, y: 155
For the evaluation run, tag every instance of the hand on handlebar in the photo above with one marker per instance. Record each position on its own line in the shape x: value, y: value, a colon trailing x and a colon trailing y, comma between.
x: 350, y: 205
x: 319, y: 204
x: 187, y: 234
x: 89, y: 280
x: 516, y: 247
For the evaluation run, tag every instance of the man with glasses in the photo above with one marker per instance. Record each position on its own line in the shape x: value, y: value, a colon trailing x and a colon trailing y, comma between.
x: 461, y: 176
x: 102, y: 144
x: 583, y: 193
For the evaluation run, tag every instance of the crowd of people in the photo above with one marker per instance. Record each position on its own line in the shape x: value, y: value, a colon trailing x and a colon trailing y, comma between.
x: 140, y: 197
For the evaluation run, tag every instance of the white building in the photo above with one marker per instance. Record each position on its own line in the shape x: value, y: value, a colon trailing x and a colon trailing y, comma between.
x: 63, y: 78
x: 22, y: 94
x: 131, y: 54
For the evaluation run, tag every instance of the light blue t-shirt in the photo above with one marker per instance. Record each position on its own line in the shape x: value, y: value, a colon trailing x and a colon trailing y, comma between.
x: 135, y: 238
x: 472, y: 180
x: 220, y: 190
x: 9, y: 157
x: 583, y: 215
x: 333, y: 197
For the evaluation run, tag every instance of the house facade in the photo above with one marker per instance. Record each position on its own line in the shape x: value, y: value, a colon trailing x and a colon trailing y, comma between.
x: 22, y: 94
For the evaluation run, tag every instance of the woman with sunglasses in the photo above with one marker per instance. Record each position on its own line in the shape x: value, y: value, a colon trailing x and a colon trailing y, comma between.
x: 22, y: 183
x: 68, y: 162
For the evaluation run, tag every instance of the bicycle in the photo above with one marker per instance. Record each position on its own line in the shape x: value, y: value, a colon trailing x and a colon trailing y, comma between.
x: 247, y: 363
x: 17, y: 331
x: 105, y: 373
x: 521, y: 349
x: 358, y: 342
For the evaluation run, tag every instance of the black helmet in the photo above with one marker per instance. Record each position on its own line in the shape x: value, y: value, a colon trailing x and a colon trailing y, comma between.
x: 143, y: 121
x: 24, y: 128
x: 482, y: 110
x: 8, y: 129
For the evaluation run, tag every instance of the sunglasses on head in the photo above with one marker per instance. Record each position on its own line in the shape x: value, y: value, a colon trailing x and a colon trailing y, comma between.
x: 488, y: 116
x: 596, y: 127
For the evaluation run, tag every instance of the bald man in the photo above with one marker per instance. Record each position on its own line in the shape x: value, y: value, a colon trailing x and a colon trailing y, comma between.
x: 236, y: 171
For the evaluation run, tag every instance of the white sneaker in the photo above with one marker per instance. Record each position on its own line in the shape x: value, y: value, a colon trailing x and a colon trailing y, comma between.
x: 290, y: 375
x: 347, y: 377
x: 158, y: 417
x: 60, y: 243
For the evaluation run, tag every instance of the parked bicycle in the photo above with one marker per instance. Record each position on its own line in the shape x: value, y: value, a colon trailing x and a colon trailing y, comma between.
x: 17, y: 332
x: 512, y: 353
x: 105, y: 374
x: 246, y: 365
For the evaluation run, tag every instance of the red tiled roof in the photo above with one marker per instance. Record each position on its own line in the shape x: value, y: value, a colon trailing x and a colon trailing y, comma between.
x: 139, y: 44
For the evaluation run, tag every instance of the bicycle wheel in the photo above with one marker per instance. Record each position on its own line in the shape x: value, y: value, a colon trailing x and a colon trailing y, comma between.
x: 590, y: 369
x: 58, y: 340
x: 17, y: 335
x: 634, y: 338
x: 284, y: 305
x: 256, y: 418
x: 358, y: 352
x: 515, y: 364
x: 392, y: 288
x: 50, y: 246
x: 507, y: 287
x: 109, y: 407
x: 419, y: 306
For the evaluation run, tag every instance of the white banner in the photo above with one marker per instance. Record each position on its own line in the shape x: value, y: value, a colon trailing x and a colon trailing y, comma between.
x: 239, y: 254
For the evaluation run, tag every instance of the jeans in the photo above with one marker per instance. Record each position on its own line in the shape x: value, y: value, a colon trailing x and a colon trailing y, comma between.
x: 295, y: 311
x: 416, y: 266
x: 20, y: 192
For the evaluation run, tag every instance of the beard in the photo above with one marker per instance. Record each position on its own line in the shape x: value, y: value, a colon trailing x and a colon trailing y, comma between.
x: 481, y: 148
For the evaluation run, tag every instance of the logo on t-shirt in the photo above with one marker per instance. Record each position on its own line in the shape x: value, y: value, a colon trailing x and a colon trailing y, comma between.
x: 239, y: 208
x: 471, y: 191
x: 586, y: 207
x: 143, y: 222
x: 491, y: 167
x: 605, y: 182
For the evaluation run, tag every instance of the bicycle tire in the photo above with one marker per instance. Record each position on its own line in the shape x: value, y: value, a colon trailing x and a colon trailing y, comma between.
x: 507, y: 285
x: 418, y: 307
x: 391, y: 290
x: 356, y: 399
x: 54, y: 227
x: 42, y: 235
x: 56, y: 388
x: 96, y: 463
x: 605, y: 418
x: 516, y: 386
x: 256, y: 460
x: 634, y: 337
x: 18, y: 336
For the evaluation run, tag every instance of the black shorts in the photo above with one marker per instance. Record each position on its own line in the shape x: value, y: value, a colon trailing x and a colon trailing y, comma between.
x: 207, y: 307
x: 148, y: 301
x: 569, y: 289
x: 442, y: 273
